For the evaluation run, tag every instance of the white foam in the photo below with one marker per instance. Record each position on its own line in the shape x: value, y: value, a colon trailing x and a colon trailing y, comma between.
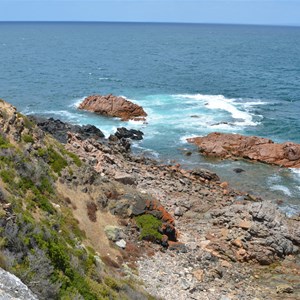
x: 281, y: 188
x: 77, y: 102
x: 295, y: 171
x: 63, y: 113
x: 184, y: 138
x: 219, y: 102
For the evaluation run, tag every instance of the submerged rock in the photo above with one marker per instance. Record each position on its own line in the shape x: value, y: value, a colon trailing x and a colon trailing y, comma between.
x: 225, y: 145
x: 113, y: 106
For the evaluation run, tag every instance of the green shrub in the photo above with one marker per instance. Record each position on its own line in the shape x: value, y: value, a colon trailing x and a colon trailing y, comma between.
x: 44, y: 204
x: 112, y: 283
x: 56, y: 161
x: 149, y: 227
x: 7, y: 176
x: 4, y: 144
x: 75, y: 158
x: 42, y: 152
x: 27, y: 138
x: 46, y: 186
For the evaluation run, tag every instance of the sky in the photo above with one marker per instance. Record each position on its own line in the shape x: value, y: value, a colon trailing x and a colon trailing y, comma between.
x: 273, y: 12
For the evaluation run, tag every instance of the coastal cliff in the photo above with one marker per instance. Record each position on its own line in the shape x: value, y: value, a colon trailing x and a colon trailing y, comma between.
x: 87, y: 219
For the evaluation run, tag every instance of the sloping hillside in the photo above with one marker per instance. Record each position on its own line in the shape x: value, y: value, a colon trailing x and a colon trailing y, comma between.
x: 52, y: 233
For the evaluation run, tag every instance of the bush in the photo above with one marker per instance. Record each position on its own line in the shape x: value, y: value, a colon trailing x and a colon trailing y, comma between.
x: 27, y: 138
x: 56, y: 161
x: 149, y: 227
x: 7, y: 176
x: 4, y: 144
x: 75, y: 158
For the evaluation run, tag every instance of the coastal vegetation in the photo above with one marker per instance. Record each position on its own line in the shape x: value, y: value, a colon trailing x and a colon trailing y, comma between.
x: 40, y: 240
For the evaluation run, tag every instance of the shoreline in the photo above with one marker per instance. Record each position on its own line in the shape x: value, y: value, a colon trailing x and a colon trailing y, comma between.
x: 220, y: 252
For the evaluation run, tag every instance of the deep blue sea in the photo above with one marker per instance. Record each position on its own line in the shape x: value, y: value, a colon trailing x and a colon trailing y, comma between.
x: 191, y: 79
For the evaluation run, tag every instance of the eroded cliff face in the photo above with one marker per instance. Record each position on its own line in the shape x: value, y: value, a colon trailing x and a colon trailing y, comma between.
x: 226, y: 145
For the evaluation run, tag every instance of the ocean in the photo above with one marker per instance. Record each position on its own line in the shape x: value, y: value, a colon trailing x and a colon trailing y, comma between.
x: 191, y: 79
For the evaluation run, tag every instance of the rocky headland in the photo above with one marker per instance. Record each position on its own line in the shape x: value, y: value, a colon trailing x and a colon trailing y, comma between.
x: 226, y: 244
x: 113, y: 106
x: 226, y: 145
x: 183, y: 233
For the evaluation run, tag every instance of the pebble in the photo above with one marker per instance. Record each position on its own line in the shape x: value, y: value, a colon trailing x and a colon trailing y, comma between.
x: 121, y: 244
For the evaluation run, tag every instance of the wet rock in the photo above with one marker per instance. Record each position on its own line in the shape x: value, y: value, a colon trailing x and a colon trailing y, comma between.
x: 60, y: 129
x: 238, y: 170
x: 129, y: 134
x: 206, y: 174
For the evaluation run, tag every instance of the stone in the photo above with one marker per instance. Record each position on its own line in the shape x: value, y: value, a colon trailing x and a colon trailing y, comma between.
x: 206, y: 174
x: 284, y: 288
x: 244, y: 224
x: 178, y: 212
x: 112, y: 232
x: 121, y: 243
x: 238, y: 170
x: 132, y: 134
x: 125, y: 178
x: 224, y: 185
x: 113, y: 106
x: 199, y: 274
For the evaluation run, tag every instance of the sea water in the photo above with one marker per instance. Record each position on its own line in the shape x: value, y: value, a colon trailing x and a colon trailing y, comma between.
x: 191, y: 80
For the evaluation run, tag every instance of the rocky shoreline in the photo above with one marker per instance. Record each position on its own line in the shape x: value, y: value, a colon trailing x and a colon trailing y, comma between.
x: 228, y: 245
x: 236, y: 146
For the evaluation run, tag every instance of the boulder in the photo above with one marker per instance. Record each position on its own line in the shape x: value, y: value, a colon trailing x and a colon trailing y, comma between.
x: 206, y: 174
x: 113, y: 233
x: 121, y: 243
x: 226, y: 145
x: 11, y: 287
x: 132, y: 134
x: 113, y: 106
x: 125, y: 178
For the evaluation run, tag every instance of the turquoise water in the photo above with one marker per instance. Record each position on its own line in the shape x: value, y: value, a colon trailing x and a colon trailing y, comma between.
x: 191, y: 80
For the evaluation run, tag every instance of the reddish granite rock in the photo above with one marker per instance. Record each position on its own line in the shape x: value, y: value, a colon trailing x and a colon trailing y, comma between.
x: 113, y: 106
x: 249, y: 147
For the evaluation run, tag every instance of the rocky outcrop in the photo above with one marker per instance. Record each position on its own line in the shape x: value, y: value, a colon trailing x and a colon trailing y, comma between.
x: 60, y: 129
x: 249, y: 147
x: 254, y: 232
x: 12, y: 288
x: 113, y: 106
x: 132, y: 134
x: 218, y: 230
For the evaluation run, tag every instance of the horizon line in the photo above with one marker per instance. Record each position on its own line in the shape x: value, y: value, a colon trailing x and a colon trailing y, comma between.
x: 149, y: 22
